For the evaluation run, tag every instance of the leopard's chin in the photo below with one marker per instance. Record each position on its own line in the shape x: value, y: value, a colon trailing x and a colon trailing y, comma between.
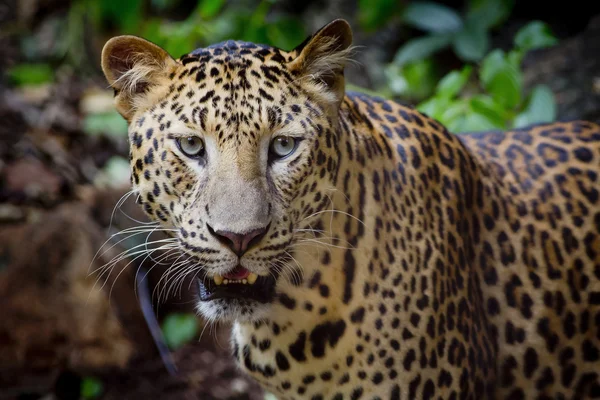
x: 233, y: 310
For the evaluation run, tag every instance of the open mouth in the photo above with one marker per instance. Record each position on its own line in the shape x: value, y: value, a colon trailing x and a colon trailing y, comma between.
x: 237, y: 284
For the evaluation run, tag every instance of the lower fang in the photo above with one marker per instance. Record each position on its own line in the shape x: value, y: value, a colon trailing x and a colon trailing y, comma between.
x: 252, y: 277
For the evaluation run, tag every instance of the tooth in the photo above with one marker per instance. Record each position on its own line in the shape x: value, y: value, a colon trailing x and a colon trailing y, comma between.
x: 225, y: 281
x: 252, y: 278
x: 218, y: 279
x: 244, y: 281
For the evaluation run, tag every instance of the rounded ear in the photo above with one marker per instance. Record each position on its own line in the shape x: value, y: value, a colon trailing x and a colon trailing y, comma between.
x: 323, y: 56
x: 131, y: 66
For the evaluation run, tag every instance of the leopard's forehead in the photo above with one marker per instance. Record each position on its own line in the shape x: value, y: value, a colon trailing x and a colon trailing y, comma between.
x: 237, y: 90
x: 232, y: 51
x: 235, y: 66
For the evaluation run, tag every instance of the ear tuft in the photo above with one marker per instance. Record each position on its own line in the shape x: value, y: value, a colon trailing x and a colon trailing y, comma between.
x: 323, y: 57
x: 132, y: 65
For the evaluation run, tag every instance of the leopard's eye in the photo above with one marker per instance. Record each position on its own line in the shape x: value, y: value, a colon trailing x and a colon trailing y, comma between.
x: 192, y: 146
x: 283, y: 146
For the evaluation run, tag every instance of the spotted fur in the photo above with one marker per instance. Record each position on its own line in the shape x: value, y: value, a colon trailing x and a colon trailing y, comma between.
x: 410, y: 262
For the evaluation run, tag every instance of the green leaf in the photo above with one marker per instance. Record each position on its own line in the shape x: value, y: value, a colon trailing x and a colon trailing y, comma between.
x: 487, y: 14
x: 490, y: 109
x: 474, y: 122
x: 501, y: 79
x: 451, y: 84
x: 179, y: 329
x: 416, y: 80
x: 210, y: 8
x: 455, y: 110
x: 535, y: 35
x: 110, y: 123
x: 373, y: 14
x: 432, y: 17
x: 434, y: 107
x: 420, y: 48
x: 471, y: 43
x: 456, y: 125
x: 505, y: 87
x: 31, y: 74
x: 126, y: 14
x: 541, y: 107
x: 491, y: 64
x: 515, y: 57
x: 91, y: 388
x: 163, y: 5
x: 285, y: 33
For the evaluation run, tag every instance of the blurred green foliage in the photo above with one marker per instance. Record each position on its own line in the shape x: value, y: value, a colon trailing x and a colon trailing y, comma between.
x: 30, y: 74
x: 99, y: 123
x: 468, y: 35
x: 496, y: 98
x: 91, y: 388
x: 373, y: 14
x: 485, y: 92
x: 179, y: 329
x: 209, y: 22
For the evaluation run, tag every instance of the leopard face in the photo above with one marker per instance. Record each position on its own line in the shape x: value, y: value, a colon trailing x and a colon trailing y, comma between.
x: 231, y: 153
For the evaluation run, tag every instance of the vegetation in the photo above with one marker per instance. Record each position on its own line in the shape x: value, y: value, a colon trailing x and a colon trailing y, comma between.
x: 179, y: 329
x: 495, y: 98
x: 486, y: 92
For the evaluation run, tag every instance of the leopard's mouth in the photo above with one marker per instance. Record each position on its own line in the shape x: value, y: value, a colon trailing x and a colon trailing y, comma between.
x: 237, y: 284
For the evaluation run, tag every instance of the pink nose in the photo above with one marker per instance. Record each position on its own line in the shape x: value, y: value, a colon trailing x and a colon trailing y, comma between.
x: 239, y: 243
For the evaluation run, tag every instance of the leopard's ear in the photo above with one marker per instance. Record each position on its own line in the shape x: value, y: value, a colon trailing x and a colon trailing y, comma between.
x: 133, y: 66
x: 322, y: 58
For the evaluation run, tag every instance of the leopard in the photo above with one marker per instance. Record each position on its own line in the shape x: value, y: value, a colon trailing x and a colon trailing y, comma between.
x: 356, y: 247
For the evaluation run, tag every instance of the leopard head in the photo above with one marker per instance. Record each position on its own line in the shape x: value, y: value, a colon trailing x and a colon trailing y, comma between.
x: 233, y: 148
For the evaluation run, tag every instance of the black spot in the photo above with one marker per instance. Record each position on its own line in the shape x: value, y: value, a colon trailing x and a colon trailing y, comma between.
x: 583, y: 154
x: 327, y: 332
x: 326, y: 376
x: 297, y: 348
x: 287, y: 301
x: 590, y: 352
x: 395, y: 395
x: 428, y: 390
x: 409, y: 359
x: 356, y: 393
x: 349, y: 267
x: 531, y: 362
x: 377, y: 378
x: 358, y: 315
x: 282, y: 361
x: 264, y: 345
x: 526, y: 304
x: 414, y: 319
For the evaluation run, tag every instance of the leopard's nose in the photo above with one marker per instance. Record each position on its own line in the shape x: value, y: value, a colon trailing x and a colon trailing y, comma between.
x: 239, y: 243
